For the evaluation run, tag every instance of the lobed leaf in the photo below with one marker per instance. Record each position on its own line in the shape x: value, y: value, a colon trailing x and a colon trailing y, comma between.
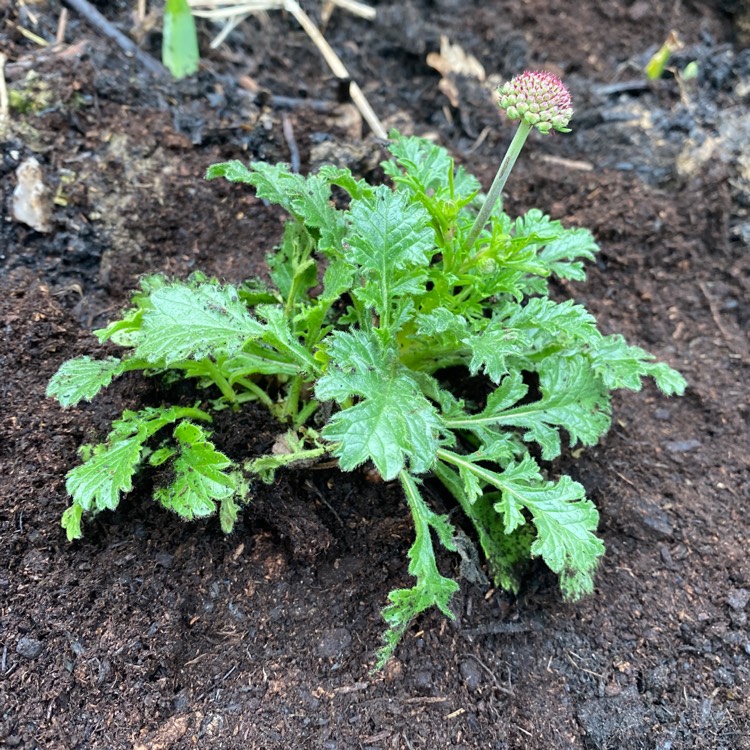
x: 507, y: 554
x: 108, y: 469
x: 623, y: 366
x: 98, y: 483
x: 392, y: 423
x: 388, y: 233
x: 565, y: 521
x: 564, y: 518
x: 390, y: 241
x: 201, y: 480
x: 431, y: 589
x: 82, y: 378
x: 572, y: 399
x: 187, y: 321
x: 564, y: 256
x: 308, y: 199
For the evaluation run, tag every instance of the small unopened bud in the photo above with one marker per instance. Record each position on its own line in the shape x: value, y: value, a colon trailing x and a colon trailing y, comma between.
x: 487, y: 266
x: 539, y: 99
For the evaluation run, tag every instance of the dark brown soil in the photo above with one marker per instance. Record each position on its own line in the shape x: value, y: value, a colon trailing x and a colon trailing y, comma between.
x: 150, y: 633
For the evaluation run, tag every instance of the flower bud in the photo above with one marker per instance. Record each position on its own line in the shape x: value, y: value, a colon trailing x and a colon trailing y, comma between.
x: 538, y: 98
x: 487, y: 266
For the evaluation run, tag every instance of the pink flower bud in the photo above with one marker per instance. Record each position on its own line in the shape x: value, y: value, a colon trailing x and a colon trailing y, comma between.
x: 539, y: 99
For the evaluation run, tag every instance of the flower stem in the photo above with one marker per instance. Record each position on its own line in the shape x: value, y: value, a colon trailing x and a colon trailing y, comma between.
x: 499, y: 182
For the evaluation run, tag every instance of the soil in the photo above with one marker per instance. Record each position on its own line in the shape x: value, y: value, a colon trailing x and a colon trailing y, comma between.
x: 150, y: 633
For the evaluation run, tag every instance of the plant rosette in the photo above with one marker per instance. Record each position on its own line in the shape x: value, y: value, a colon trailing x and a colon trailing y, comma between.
x: 348, y: 346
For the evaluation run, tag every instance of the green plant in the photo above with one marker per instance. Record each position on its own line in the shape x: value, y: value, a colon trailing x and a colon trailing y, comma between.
x: 658, y: 62
x: 179, y: 49
x: 352, y: 345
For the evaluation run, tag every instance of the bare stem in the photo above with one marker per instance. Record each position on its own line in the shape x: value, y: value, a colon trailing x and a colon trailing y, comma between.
x: 499, y: 182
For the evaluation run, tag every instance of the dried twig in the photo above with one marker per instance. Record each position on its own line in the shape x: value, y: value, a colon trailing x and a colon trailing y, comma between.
x: 140, y: 11
x: 500, y: 687
x: 338, y: 68
x: 354, y: 7
x: 62, y: 25
x: 128, y: 46
x: 737, y: 348
x: 31, y: 36
x: 357, y: 9
x: 291, y: 141
x: 232, y: 8
x: 4, y: 102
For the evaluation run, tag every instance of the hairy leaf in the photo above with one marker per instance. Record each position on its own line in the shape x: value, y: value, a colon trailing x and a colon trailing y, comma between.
x: 564, y: 519
x: 572, y: 398
x: 507, y: 554
x: 390, y: 240
x: 392, y: 422
x: 82, y: 378
x: 108, y: 469
x: 432, y: 589
x: 624, y: 366
x: 188, y: 321
x: 564, y: 256
x: 308, y: 199
x: 201, y: 477
x: 99, y: 483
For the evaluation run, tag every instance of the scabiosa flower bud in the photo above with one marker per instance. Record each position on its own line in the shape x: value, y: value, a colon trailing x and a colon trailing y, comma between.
x: 538, y: 98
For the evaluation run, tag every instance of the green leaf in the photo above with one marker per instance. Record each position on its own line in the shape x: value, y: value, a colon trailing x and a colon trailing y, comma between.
x: 71, y: 521
x: 561, y: 256
x: 279, y: 334
x: 344, y: 179
x: 337, y: 280
x: 194, y: 321
x: 126, y: 330
x: 229, y: 509
x: 258, y: 360
x: 179, y: 50
x: 559, y: 323
x: 289, y: 450
x: 234, y: 171
x: 161, y: 455
x: 291, y: 260
x: 201, y: 480
x: 391, y: 242
x: 82, y: 378
x: 388, y: 233
x: 565, y: 521
x: 100, y: 481
x: 516, y: 334
x: 392, y: 422
x: 432, y: 589
x: 564, y: 518
x: 572, y: 398
x: 491, y: 349
x: 624, y: 366
x: 425, y: 162
x: 507, y: 554
x: 671, y: 382
x: 441, y: 320
x: 308, y: 199
x: 430, y: 167
x: 535, y: 224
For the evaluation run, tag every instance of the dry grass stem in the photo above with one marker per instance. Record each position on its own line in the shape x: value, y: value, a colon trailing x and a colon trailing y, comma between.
x: 4, y: 103
x: 232, y: 9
